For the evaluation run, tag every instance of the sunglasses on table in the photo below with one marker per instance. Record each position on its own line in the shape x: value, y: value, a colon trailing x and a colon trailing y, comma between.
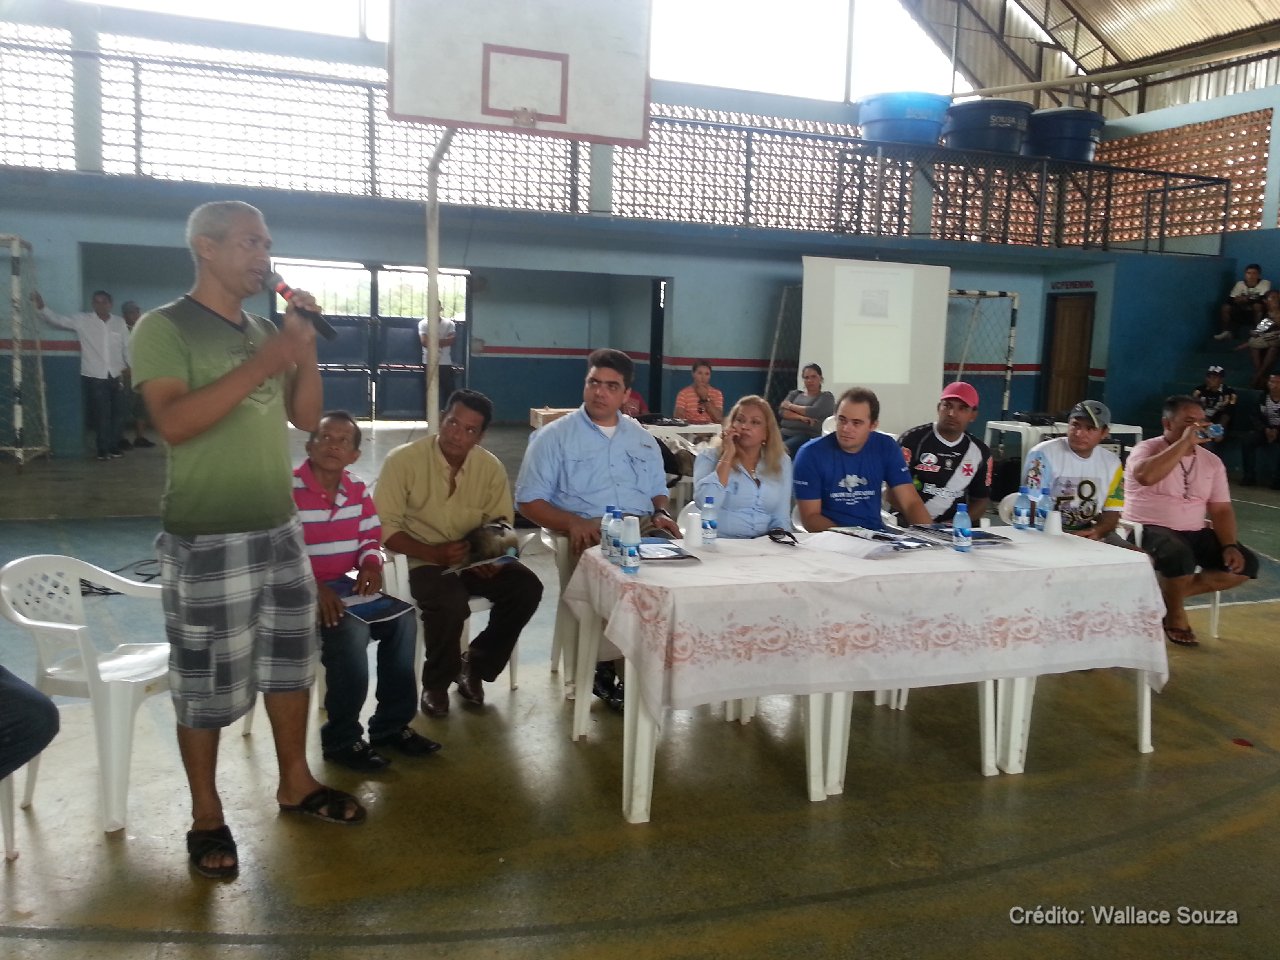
x: 783, y: 536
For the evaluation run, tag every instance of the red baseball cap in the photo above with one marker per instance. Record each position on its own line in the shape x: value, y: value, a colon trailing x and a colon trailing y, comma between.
x: 961, y: 391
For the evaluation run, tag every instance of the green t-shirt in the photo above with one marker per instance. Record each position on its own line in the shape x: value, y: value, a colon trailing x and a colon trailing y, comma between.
x: 236, y: 476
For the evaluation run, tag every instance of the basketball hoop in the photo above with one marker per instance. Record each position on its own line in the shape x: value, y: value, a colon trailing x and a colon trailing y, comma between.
x: 524, y: 117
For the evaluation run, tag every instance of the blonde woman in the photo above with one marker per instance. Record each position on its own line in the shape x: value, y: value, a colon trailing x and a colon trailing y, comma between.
x: 747, y: 471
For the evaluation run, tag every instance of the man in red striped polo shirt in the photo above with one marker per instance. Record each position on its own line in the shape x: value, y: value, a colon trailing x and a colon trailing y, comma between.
x: 342, y: 533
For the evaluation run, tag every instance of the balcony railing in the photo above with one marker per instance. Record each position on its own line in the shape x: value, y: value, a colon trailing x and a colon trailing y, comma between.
x: 324, y: 128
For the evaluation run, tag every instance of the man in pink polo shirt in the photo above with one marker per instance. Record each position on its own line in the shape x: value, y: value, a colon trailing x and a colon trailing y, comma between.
x: 1172, y: 486
x: 343, y: 534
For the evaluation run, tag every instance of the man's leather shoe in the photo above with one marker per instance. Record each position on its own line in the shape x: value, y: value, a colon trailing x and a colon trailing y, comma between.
x: 470, y: 686
x: 359, y: 757
x: 409, y: 742
x: 607, y: 686
x: 435, y: 703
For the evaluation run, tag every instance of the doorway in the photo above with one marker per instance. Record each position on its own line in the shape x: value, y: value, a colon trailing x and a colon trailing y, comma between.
x: 1068, y: 345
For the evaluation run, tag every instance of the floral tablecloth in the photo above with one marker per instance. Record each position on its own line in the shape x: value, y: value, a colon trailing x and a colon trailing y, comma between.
x: 754, y: 618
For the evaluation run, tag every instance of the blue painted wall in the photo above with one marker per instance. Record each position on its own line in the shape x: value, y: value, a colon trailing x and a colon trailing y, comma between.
x: 564, y: 285
x: 1161, y: 316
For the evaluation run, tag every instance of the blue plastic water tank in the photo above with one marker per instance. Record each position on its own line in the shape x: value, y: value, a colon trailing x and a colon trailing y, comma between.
x: 1064, y: 133
x: 903, y: 117
x: 998, y: 126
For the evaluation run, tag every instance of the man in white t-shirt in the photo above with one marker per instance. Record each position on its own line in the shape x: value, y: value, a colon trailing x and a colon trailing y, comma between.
x: 1246, y: 304
x: 1085, y: 480
x: 448, y: 333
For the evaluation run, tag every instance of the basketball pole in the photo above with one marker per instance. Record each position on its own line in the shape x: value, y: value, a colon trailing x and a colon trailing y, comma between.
x: 433, y: 283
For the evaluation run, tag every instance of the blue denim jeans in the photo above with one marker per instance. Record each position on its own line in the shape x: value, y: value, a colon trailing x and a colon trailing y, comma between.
x: 28, y: 721
x: 344, y: 655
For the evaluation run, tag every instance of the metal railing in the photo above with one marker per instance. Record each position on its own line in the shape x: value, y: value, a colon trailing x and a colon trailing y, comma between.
x: 171, y: 118
x: 902, y: 190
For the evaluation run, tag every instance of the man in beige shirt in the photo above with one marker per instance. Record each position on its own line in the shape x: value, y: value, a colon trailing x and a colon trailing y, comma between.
x: 430, y: 495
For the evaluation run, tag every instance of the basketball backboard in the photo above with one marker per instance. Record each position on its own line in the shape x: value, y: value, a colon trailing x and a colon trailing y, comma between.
x: 560, y: 68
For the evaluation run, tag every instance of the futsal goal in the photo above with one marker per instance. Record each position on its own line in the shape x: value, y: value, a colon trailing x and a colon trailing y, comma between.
x: 982, y: 329
x: 24, y: 415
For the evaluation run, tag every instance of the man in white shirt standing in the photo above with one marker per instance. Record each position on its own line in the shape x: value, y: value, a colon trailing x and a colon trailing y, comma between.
x: 448, y: 333
x: 104, y: 358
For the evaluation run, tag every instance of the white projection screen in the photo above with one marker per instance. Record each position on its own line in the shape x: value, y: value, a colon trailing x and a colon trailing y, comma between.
x: 881, y: 325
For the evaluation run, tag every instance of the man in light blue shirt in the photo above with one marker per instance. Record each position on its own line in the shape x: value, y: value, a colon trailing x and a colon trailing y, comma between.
x: 595, y: 456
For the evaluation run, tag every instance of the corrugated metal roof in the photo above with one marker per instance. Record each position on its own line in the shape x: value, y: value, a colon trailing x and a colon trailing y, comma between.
x: 1146, y: 29
x: 1004, y: 42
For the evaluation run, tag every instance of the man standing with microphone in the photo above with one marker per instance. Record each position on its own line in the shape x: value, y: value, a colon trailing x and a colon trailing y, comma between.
x: 239, y: 597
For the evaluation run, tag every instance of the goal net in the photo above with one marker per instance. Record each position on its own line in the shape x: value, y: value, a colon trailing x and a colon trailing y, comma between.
x: 982, y: 327
x: 24, y: 416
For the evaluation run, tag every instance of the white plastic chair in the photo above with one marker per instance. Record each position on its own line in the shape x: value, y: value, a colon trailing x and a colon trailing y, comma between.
x: 564, y: 638
x: 42, y: 594
x: 1134, y: 529
x: 6, y: 817
x: 397, y: 584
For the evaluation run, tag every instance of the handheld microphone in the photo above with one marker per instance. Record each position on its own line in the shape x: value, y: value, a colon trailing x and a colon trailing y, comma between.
x: 273, y: 281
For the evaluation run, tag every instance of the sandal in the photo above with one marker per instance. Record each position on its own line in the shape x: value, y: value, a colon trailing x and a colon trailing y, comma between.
x: 326, y: 804
x: 203, y: 843
x: 1182, y: 636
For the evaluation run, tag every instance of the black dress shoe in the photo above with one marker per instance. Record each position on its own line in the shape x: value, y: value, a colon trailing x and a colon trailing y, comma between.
x: 143, y: 442
x: 359, y: 757
x: 410, y: 743
x: 607, y: 686
x: 435, y: 703
x: 470, y: 686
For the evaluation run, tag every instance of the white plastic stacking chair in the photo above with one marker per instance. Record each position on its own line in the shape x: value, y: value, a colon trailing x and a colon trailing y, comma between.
x: 397, y: 584
x: 6, y: 817
x: 564, y: 637
x: 42, y: 594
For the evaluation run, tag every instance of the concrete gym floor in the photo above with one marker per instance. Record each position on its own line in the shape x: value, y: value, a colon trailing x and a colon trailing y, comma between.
x: 511, y: 842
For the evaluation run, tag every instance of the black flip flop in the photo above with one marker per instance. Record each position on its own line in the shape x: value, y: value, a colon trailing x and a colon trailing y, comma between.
x: 202, y: 843
x: 322, y: 804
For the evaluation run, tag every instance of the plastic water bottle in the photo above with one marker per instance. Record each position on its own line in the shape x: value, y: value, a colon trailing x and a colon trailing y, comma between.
x: 709, y: 524
x: 604, y: 529
x: 615, y: 538
x: 1022, y: 510
x: 962, y: 529
x: 630, y: 545
x: 1044, y: 506
x: 693, y: 528
x: 1213, y: 431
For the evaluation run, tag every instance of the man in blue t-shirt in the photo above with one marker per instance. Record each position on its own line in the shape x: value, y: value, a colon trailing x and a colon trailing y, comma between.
x: 838, y: 477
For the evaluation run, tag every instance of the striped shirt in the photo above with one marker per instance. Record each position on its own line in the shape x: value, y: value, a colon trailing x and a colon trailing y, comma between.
x: 340, y: 532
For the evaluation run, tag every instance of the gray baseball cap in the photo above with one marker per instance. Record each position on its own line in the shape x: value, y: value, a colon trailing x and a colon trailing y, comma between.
x: 1095, y: 411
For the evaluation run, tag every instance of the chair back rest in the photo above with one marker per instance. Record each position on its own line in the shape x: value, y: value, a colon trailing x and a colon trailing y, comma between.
x: 45, y: 589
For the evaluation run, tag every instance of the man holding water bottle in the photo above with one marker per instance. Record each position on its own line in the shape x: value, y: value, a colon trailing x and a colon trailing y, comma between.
x: 1085, y: 480
x: 1178, y: 491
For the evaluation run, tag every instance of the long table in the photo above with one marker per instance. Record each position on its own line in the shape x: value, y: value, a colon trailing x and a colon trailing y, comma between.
x: 754, y: 618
